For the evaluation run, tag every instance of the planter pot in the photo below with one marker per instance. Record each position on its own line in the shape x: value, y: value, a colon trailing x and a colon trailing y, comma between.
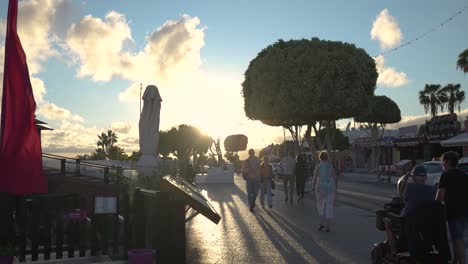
x: 141, y: 256
x: 6, y: 259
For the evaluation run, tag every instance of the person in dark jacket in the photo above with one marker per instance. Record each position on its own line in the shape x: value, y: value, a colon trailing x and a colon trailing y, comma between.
x: 301, y: 175
x: 452, y: 191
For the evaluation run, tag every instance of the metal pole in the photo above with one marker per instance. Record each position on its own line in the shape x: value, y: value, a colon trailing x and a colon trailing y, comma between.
x: 141, y: 87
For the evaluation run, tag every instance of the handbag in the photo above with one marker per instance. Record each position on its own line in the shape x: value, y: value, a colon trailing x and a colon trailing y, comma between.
x: 272, y: 184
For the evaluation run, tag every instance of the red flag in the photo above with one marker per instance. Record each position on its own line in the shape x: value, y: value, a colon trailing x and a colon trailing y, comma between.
x: 20, y: 143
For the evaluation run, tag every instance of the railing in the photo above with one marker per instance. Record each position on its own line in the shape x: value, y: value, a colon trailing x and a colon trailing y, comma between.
x: 79, y: 167
x: 64, y: 222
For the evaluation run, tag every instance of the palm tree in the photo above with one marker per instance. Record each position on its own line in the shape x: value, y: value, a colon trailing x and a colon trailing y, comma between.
x: 462, y: 62
x: 117, y: 153
x: 431, y: 97
x: 103, y: 141
x: 112, y: 137
x: 454, y: 97
x: 98, y: 154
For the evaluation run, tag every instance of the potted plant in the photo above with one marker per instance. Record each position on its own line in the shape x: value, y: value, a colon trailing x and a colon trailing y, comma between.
x: 7, y: 253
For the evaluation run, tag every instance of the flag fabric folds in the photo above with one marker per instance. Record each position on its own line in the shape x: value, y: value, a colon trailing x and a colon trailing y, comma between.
x: 20, y: 143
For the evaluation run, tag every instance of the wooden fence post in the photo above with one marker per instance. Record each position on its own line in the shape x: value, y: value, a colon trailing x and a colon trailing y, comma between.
x: 139, y: 220
x: 106, y: 174
x: 63, y: 168
x: 78, y: 167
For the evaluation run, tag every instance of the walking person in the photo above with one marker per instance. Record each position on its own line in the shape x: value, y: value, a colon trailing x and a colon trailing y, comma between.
x: 324, y: 183
x: 288, y: 165
x: 452, y: 191
x: 251, y: 173
x: 266, y: 182
x: 301, y: 175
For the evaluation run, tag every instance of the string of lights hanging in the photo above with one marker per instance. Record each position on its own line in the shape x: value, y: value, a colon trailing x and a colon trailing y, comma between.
x: 425, y: 34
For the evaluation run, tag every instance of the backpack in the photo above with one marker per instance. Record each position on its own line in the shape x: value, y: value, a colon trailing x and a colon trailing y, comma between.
x: 326, y: 181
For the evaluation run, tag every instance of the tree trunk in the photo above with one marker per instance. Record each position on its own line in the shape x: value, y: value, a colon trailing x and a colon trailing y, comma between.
x: 320, y: 144
x: 310, y: 142
x: 294, y: 130
x: 328, y: 141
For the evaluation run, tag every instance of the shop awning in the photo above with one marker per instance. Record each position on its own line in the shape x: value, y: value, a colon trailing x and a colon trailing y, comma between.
x: 409, y: 142
x: 456, y: 141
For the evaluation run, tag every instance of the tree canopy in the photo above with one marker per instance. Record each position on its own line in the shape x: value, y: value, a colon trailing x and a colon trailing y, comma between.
x: 381, y: 110
x: 453, y: 97
x: 296, y: 82
x: 462, y: 62
x: 235, y: 143
x: 183, y: 141
x: 432, y: 97
x: 340, y: 141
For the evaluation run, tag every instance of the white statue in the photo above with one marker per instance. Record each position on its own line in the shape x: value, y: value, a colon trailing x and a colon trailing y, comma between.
x: 149, y: 131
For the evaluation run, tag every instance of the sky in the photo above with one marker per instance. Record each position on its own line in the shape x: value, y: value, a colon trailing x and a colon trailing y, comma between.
x: 87, y: 59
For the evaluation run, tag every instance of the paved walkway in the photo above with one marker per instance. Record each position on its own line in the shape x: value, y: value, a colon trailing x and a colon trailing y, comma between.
x: 285, y: 234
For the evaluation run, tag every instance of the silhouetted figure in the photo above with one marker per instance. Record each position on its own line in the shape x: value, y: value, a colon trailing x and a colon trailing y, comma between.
x: 301, y: 175
x: 189, y: 174
x: 266, y: 182
x: 288, y: 165
x: 251, y: 171
x: 453, y: 192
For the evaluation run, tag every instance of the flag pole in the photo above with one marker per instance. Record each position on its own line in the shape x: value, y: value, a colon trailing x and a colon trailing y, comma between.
x: 141, y: 87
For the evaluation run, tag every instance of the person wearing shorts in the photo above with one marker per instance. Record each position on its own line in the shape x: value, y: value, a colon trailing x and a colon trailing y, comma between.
x: 452, y: 191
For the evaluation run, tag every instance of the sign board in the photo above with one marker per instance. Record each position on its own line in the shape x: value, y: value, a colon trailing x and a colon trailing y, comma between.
x: 105, y: 205
x: 191, y: 195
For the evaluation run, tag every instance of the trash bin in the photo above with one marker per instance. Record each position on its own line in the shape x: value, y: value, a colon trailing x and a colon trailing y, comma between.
x: 141, y: 256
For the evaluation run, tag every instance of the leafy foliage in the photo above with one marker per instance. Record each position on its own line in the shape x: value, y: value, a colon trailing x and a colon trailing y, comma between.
x: 116, y: 153
x: 340, y: 142
x: 183, y: 141
x: 432, y: 97
x: 301, y: 81
x: 381, y: 110
x: 235, y: 143
x: 453, y: 97
x: 462, y: 62
x: 286, y: 147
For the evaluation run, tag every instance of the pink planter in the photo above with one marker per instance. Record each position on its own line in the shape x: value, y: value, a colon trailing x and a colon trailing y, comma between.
x: 6, y: 259
x: 141, y: 256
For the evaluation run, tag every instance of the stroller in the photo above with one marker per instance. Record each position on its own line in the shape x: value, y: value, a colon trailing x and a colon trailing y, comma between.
x: 421, y: 236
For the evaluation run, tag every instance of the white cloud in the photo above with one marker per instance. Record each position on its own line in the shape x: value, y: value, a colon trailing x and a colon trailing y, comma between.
x: 131, y: 94
x: 388, y: 76
x: 421, y: 119
x: 38, y: 89
x: 122, y: 127
x: 70, y: 135
x: 386, y: 30
x: 102, y: 49
x: 54, y: 112
x: 35, y: 20
x: 75, y: 138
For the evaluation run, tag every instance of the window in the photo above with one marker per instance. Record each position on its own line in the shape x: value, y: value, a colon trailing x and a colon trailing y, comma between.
x: 433, y: 168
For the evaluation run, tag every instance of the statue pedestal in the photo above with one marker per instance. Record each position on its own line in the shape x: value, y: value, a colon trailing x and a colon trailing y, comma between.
x: 148, y: 165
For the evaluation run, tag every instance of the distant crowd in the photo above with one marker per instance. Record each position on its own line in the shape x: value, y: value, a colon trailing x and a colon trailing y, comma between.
x: 258, y: 175
x: 451, y: 193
